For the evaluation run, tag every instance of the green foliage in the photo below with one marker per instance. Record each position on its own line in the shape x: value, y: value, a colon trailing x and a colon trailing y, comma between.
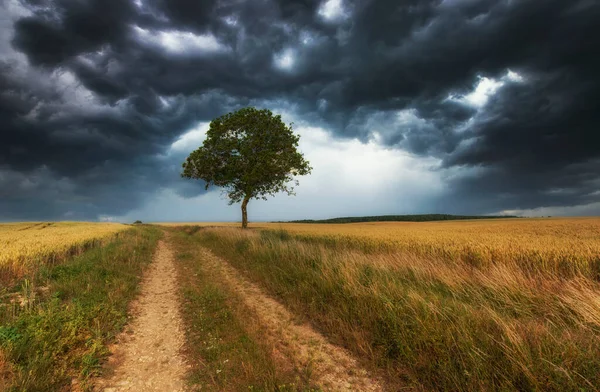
x: 251, y: 153
x: 8, y: 335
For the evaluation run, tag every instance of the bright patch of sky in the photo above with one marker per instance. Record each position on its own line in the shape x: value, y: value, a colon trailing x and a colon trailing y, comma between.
x: 285, y: 59
x: 514, y: 77
x: 332, y: 10
x: 345, y: 173
x: 486, y: 88
x: 179, y: 42
x: 388, y: 127
x: 231, y: 20
x: 190, y: 140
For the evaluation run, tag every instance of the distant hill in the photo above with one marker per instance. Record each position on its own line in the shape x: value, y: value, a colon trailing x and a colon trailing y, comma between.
x: 399, y: 218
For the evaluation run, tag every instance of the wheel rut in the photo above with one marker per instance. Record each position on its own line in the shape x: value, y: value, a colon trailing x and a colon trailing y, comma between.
x: 146, y: 356
x: 299, y: 345
x: 148, y: 353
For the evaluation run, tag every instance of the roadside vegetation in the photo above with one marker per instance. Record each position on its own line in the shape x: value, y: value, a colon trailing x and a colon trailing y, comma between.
x: 56, y: 321
x: 225, y: 341
x: 442, y: 320
x: 29, y: 245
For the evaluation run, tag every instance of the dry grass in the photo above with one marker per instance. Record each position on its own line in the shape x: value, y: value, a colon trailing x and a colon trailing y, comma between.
x: 226, y: 342
x: 564, y: 246
x: 201, y: 224
x: 27, y: 245
x: 552, y: 245
x: 6, y: 372
x: 435, y: 318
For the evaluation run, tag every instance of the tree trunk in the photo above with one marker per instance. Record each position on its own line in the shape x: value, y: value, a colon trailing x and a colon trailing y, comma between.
x: 245, y: 213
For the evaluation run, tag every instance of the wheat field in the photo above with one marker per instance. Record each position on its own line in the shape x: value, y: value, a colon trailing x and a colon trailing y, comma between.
x: 461, y: 306
x: 25, y: 245
x: 564, y: 246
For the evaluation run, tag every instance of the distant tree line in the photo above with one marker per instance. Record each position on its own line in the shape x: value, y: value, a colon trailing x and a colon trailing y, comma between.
x: 401, y: 218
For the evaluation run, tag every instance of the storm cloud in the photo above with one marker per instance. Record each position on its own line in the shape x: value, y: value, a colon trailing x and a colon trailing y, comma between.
x: 497, y: 103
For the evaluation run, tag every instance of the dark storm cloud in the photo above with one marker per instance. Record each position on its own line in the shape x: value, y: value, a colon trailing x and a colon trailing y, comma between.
x: 537, y: 141
x: 110, y: 84
x: 61, y: 29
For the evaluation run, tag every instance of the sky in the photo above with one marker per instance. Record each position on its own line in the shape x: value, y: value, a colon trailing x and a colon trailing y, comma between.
x: 414, y: 106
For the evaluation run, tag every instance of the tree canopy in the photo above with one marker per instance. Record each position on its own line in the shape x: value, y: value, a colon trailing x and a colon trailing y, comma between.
x: 250, y: 153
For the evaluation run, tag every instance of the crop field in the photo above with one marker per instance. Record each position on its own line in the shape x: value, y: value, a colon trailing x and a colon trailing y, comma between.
x: 470, y: 305
x: 485, y: 305
x: 25, y: 245
x: 564, y: 246
x: 550, y: 245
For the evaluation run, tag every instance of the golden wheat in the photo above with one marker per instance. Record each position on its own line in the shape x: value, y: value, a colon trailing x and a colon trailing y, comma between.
x: 565, y: 245
x: 23, y: 244
x: 448, y: 324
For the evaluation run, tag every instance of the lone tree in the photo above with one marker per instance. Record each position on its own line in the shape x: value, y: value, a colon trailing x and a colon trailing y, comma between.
x: 251, y: 153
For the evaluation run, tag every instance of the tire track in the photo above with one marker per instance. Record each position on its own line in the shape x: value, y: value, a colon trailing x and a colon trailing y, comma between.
x: 147, y: 355
x: 331, y: 367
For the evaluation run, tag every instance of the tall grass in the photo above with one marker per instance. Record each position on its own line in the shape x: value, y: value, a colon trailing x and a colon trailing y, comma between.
x: 567, y: 246
x: 56, y: 325
x: 433, y: 322
x: 225, y: 340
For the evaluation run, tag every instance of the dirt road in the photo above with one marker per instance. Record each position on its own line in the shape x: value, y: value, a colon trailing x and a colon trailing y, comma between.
x: 147, y: 355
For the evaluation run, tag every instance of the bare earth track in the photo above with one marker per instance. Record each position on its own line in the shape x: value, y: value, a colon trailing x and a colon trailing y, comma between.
x: 147, y: 354
x: 332, y: 367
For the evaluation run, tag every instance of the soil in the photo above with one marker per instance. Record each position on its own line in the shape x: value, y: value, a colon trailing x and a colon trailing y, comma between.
x: 147, y: 354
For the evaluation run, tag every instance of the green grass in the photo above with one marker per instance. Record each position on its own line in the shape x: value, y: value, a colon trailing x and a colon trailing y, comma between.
x: 429, y: 323
x: 223, y: 336
x: 69, y: 312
